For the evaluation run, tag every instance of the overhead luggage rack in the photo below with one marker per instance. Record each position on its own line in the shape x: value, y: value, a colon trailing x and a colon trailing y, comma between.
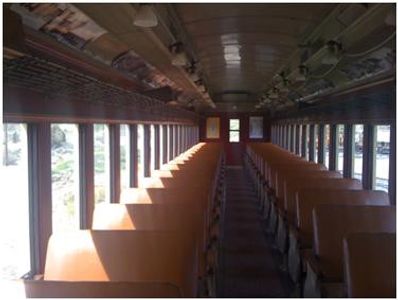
x: 52, y: 79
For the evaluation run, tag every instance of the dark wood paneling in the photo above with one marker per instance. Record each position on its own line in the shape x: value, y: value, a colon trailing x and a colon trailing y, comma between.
x: 133, y: 155
x: 147, y: 150
x: 171, y: 142
x: 165, y: 143
x: 368, y: 156
x: 304, y: 141
x: 114, y: 138
x: 348, y: 151
x: 321, y: 144
x: 333, y: 147
x: 86, y: 174
x: 22, y: 105
x: 157, y: 147
x: 39, y: 143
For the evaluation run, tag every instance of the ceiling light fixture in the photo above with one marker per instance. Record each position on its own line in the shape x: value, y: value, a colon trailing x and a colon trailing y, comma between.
x: 332, y: 55
x: 284, y: 86
x: 202, y: 88
x: 303, y: 73
x: 179, y: 58
x: 274, y: 94
x: 194, y: 77
x: 145, y: 17
x: 172, y: 103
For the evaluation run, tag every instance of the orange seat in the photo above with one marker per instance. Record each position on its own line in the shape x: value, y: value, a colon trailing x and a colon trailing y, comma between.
x: 333, y: 222
x: 156, y: 217
x: 370, y: 265
x: 132, y: 256
x: 330, y: 181
x: 308, y: 199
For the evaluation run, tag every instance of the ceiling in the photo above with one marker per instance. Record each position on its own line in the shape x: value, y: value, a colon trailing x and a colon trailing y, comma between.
x: 241, y: 52
x: 240, y: 46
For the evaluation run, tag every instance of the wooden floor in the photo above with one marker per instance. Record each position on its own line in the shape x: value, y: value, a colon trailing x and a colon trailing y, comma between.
x: 249, y: 266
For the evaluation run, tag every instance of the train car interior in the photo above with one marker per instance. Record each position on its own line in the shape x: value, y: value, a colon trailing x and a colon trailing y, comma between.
x: 232, y: 150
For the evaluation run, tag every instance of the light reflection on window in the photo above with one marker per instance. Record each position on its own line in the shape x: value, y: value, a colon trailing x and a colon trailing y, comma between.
x: 65, y: 177
x: 340, y: 148
x: 382, y: 157
x: 358, y: 151
x: 327, y: 146
x: 14, y: 213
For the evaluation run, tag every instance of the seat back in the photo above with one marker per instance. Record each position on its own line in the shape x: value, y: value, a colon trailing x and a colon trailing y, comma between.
x: 370, y: 265
x: 333, y: 222
x: 318, y: 179
x: 307, y: 199
x: 135, y: 256
x: 109, y: 216
x: 294, y: 170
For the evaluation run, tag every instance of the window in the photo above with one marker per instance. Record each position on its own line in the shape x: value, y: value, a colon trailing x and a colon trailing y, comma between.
x: 65, y: 177
x: 327, y: 145
x: 14, y: 213
x: 382, y: 157
x: 340, y: 148
x: 307, y: 142
x: 299, y: 139
x: 234, y: 126
x: 256, y: 127
x: 316, y: 142
x: 358, y: 152
x: 140, y: 153
x: 124, y: 156
x: 101, y: 163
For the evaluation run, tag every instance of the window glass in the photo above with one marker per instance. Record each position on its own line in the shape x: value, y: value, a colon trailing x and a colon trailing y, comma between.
x: 358, y: 152
x: 101, y: 163
x: 382, y: 159
x: 340, y: 148
x: 124, y: 156
x: 140, y: 153
x: 327, y: 145
x: 234, y: 126
x: 299, y: 141
x: 307, y: 142
x: 14, y: 213
x: 65, y: 177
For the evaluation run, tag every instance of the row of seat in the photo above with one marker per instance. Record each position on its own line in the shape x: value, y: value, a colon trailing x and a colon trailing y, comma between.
x: 160, y: 240
x: 335, y: 238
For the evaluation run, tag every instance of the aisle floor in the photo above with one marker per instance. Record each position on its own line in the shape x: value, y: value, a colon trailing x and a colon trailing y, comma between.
x: 249, y: 266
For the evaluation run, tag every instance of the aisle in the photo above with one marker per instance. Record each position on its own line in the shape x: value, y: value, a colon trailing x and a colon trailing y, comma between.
x: 248, y: 267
